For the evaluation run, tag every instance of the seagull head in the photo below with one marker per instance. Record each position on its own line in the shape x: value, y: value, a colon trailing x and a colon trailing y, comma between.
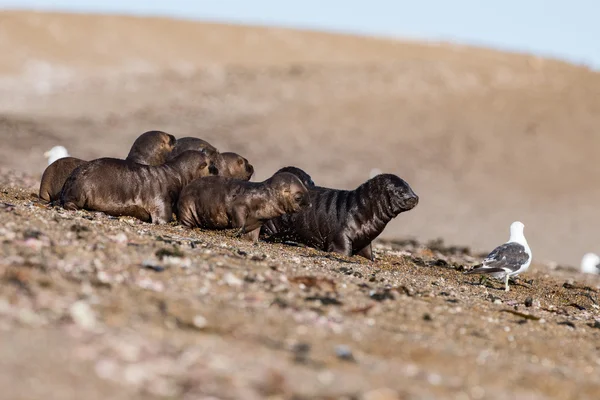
x: 589, y: 263
x: 516, y: 231
x: 55, y: 153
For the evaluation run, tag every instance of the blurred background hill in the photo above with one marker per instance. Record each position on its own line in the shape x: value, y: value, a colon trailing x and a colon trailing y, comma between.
x: 484, y: 137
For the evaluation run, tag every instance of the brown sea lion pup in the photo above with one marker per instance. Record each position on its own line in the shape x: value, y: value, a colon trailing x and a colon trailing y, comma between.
x: 230, y: 165
x: 344, y: 221
x: 121, y: 187
x: 226, y: 203
x: 55, y: 175
x: 150, y: 148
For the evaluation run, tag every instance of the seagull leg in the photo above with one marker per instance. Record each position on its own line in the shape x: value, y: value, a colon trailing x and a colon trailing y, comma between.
x: 506, y: 289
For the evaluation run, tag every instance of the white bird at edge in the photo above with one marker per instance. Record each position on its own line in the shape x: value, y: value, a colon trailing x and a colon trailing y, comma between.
x: 55, y: 153
x: 507, y: 260
x: 590, y: 264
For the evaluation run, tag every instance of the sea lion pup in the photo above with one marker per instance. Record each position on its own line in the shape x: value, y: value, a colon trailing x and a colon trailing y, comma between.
x: 230, y: 165
x: 218, y: 202
x: 150, y: 148
x: 122, y: 187
x: 344, y: 221
x: 55, y: 175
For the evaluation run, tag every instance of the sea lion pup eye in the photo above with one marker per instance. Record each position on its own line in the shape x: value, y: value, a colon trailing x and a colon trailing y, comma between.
x: 219, y: 202
x: 152, y: 148
x: 125, y: 188
x: 345, y: 221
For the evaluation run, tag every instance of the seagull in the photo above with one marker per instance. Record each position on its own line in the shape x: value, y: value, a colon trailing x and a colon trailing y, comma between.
x: 55, y: 153
x: 509, y: 259
x: 590, y: 264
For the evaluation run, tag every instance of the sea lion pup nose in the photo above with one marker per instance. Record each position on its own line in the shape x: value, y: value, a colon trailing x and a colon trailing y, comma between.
x: 343, y: 221
x: 122, y: 187
x: 218, y: 202
x: 150, y: 148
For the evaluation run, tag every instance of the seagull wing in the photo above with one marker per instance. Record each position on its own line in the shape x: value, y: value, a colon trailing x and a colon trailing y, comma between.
x: 504, y: 258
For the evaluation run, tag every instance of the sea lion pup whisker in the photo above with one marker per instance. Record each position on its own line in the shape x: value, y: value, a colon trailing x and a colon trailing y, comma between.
x: 125, y: 188
x: 230, y: 165
x: 218, y: 202
x: 150, y: 148
x: 343, y: 221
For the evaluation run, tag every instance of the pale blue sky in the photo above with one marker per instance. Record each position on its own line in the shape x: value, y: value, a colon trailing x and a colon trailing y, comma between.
x: 558, y: 28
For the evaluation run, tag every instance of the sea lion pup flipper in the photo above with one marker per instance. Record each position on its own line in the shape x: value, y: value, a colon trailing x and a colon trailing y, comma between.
x: 152, y: 148
x: 55, y: 175
x: 125, y: 188
x: 366, y: 252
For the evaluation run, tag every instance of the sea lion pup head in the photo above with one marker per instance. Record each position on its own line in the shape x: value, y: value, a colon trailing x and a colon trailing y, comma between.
x: 290, y: 191
x: 398, y: 193
x: 152, y: 148
x: 303, y: 176
x: 192, y: 143
x: 233, y: 165
x: 193, y: 165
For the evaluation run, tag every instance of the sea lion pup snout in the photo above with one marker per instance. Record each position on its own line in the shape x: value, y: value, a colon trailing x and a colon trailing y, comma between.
x: 126, y: 188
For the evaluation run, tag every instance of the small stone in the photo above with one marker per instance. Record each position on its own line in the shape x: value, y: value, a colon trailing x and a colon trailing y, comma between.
x: 119, y: 238
x: 83, y: 315
x: 344, y: 352
x: 427, y: 317
x: 200, y: 322
x: 528, y: 302
x: 497, y: 301
x: 232, y: 280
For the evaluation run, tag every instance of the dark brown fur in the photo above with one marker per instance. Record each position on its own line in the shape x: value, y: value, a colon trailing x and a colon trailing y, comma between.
x: 344, y: 221
x: 150, y: 148
x: 230, y: 165
x: 225, y: 203
x: 55, y: 175
x: 122, y: 187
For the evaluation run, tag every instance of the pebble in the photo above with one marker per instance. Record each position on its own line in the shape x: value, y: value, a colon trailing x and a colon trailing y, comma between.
x: 83, y: 315
x: 232, y: 280
x: 344, y: 352
x: 200, y: 322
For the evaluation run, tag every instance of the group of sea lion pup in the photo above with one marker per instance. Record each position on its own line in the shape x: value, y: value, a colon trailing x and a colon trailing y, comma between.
x: 207, y: 189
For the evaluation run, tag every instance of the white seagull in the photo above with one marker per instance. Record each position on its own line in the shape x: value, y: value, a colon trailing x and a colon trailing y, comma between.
x: 55, y: 153
x: 590, y: 264
x: 510, y: 259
